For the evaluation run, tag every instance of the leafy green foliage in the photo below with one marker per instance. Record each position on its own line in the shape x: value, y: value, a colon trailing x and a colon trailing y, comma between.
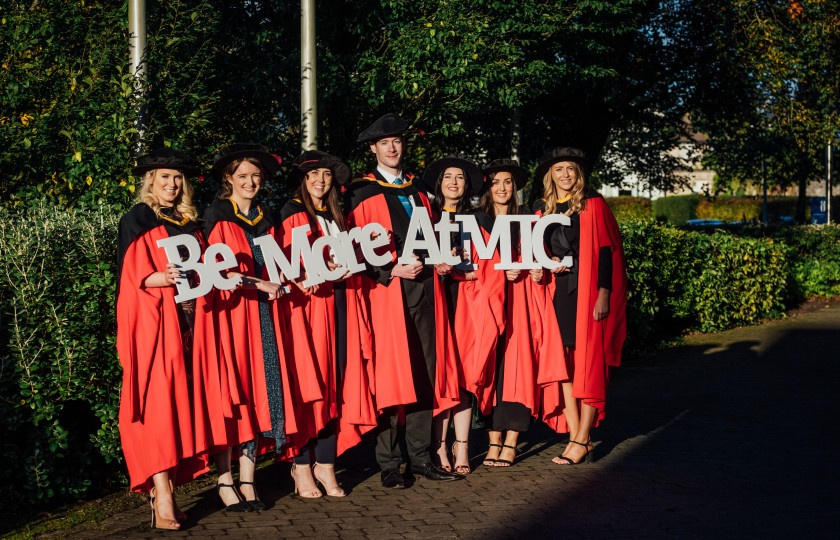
x: 815, y: 258
x: 59, y: 376
x: 745, y: 208
x: 68, y: 110
x: 623, y: 208
x: 774, y: 98
x: 65, y: 110
x: 661, y: 265
x: 680, y: 280
x: 742, y: 281
x: 676, y: 209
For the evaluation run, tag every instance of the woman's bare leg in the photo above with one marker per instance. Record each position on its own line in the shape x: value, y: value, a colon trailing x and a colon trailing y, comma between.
x: 439, y: 431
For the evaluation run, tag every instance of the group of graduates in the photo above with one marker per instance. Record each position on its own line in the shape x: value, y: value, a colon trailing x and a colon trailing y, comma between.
x: 400, y: 350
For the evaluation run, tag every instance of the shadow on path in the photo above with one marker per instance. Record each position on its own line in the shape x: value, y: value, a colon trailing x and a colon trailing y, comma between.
x: 730, y: 441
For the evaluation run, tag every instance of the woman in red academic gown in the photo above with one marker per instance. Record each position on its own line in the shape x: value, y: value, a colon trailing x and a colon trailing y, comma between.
x: 474, y: 296
x: 589, y: 298
x: 245, y: 328
x: 514, y: 392
x: 320, y: 318
x: 154, y: 336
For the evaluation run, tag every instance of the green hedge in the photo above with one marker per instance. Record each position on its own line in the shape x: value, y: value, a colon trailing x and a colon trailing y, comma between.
x: 814, y: 255
x: 630, y: 207
x: 676, y: 209
x: 59, y: 375
x: 681, y: 280
x: 745, y: 208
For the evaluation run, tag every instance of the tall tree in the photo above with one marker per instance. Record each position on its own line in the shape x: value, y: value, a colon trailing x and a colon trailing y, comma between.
x: 780, y: 103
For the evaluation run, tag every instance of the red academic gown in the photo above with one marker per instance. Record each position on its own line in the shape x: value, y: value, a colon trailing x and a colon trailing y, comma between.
x: 523, y: 341
x: 233, y: 347
x: 311, y: 319
x: 598, y: 343
x: 386, y: 340
x: 155, y: 417
x: 479, y: 321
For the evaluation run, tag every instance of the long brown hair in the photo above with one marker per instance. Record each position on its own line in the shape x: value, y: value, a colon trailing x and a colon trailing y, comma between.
x: 463, y: 204
x: 486, y: 205
x: 550, y: 196
x: 227, y: 188
x: 333, y: 206
x: 184, y: 205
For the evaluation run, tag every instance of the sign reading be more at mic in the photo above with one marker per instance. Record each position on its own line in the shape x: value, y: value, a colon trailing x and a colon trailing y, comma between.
x: 433, y: 241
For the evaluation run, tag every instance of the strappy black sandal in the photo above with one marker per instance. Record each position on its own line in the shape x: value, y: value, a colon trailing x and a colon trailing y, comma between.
x: 239, y: 506
x: 463, y: 470
x: 506, y: 462
x: 491, y: 461
x: 256, y: 504
x: 441, y: 466
x: 587, y: 457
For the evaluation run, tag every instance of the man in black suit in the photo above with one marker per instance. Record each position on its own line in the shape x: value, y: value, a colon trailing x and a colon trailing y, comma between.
x: 389, y: 195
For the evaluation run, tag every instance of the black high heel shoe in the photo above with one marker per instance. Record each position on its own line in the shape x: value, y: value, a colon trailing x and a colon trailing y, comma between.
x: 463, y: 470
x: 239, y: 506
x: 587, y: 457
x: 441, y: 466
x: 506, y: 462
x: 255, y: 504
x: 491, y: 462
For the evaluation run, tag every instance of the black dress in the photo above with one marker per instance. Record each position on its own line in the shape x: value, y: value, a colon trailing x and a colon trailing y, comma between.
x: 563, y: 241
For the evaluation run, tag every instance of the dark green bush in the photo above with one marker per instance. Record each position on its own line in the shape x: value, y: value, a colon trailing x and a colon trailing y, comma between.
x: 745, y: 208
x: 59, y: 376
x: 630, y: 207
x: 680, y: 280
x: 815, y: 257
x: 741, y: 281
x: 676, y: 209
x: 729, y: 208
x: 661, y: 264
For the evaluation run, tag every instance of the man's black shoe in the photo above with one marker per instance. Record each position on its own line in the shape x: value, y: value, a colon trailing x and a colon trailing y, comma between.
x: 391, y: 478
x: 433, y: 473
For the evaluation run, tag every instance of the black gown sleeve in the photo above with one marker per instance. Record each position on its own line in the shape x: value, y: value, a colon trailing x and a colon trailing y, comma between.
x: 605, y: 268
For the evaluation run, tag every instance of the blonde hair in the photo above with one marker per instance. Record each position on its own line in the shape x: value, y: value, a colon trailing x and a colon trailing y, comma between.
x: 550, y: 196
x: 184, y: 205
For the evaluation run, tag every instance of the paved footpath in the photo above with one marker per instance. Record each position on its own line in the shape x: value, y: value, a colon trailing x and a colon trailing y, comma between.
x: 731, y: 435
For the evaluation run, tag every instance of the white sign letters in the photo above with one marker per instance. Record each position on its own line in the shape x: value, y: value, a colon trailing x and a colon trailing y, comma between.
x: 343, y: 250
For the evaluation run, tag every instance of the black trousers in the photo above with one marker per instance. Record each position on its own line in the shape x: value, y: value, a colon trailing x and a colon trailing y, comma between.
x: 323, y: 446
x: 506, y: 415
x: 416, y: 435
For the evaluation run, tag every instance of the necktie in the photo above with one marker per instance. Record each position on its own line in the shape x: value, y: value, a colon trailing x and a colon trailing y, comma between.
x: 406, y: 202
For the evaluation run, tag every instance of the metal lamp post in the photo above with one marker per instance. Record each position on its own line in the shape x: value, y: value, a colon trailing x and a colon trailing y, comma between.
x: 308, y: 90
x: 137, y: 49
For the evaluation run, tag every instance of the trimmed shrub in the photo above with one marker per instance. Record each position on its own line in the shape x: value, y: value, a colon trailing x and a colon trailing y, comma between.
x: 815, y: 257
x: 676, y: 209
x: 630, y: 207
x: 660, y: 267
x: 680, y: 280
x: 742, y: 281
x: 59, y: 376
x: 745, y: 208
x: 729, y: 209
